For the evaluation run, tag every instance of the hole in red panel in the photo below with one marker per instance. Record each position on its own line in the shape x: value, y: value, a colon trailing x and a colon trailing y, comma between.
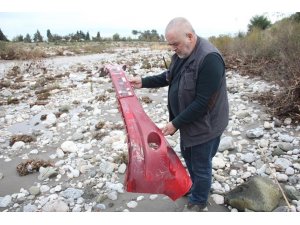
x: 154, y: 140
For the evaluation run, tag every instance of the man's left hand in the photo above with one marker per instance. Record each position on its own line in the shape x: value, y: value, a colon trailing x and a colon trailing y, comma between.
x: 169, y: 129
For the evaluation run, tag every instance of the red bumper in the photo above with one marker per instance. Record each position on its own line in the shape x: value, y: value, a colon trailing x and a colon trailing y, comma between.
x: 153, y: 165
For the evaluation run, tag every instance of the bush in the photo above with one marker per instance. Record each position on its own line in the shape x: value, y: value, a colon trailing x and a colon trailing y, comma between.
x: 10, y: 51
x: 272, y: 54
x: 223, y: 42
x: 259, y: 22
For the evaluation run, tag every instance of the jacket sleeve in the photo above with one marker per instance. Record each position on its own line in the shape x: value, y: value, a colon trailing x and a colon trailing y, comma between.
x: 155, y: 81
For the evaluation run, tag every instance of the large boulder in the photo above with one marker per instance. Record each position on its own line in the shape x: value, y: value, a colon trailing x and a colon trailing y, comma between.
x: 259, y: 194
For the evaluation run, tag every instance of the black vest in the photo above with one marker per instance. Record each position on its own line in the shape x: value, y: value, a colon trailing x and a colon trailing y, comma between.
x: 215, y: 120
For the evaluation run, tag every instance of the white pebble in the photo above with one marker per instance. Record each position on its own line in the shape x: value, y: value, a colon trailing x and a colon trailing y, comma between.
x: 132, y: 204
x: 140, y: 198
x: 219, y: 199
x: 44, y: 188
x: 152, y: 197
x: 289, y: 171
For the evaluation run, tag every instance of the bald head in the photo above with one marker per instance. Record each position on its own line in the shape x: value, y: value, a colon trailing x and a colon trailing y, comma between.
x: 181, y: 36
x: 179, y: 25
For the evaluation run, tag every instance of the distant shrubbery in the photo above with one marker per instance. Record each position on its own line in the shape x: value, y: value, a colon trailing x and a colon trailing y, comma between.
x: 9, y: 51
x: 273, y: 52
x: 148, y: 35
x: 2, y: 36
x: 37, y: 46
x: 80, y: 36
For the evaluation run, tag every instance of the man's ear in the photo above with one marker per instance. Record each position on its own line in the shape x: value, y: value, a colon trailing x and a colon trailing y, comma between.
x: 189, y: 35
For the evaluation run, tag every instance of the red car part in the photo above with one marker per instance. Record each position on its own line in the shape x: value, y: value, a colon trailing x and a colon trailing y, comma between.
x: 153, y: 165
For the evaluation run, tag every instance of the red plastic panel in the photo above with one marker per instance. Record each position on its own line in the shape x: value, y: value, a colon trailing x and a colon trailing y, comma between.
x: 153, y: 165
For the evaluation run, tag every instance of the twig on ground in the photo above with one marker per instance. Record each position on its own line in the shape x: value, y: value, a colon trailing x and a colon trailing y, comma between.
x: 264, y: 157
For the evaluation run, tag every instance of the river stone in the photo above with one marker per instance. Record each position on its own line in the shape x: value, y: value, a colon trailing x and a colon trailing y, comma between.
x: 122, y: 168
x: 72, y: 193
x: 30, y: 208
x: 55, y: 206
x: 46, y: 172
x: 259, y: 194
x: 34, y: 190
x: 278, y: 152
x: 255, y: 133
x: 107, y: 167
x: 99, y: 207
x: 5, y: 201
x: 285, y: 146
x: 226, y: 143
x: 282, y: 164
x: 132, y: 204
x: 292, y: 193
x: 282, y: 209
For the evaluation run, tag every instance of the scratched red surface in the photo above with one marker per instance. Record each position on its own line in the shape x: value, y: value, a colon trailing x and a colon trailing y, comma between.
x: 153, y: 165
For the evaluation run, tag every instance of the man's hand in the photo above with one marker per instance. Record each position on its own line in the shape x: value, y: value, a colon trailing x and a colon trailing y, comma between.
x: 169, y: 129
x: 136, y: 82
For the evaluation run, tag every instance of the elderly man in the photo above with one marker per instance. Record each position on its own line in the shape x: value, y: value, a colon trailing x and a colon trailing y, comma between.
x: 197, y: 103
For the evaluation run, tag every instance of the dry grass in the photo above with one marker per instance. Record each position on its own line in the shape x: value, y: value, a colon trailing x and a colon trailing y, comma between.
x: 159, y: 46
x: 273, y: 55
x: 10, y: 51
x: 25, y: 51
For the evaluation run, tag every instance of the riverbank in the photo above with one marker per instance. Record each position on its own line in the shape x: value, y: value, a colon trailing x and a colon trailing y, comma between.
x: 78, y: 128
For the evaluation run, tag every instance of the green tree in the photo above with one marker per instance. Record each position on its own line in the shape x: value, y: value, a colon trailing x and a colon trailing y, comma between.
x: 37, y: 37
x: 296, y: 17
x: 154, y: 35
x: 87, y: 37
x: 18, y: 38
x: 57, y: 37
x: 148, y: 35
x: 98, y: 36
x: 27, y: 38
x: 2, y: 36
x: 49, y: 36
x: 135, y: 32
x: 260, y: 22
x: 116, y: 37
x: 241, y: 34
x: 79, y: 36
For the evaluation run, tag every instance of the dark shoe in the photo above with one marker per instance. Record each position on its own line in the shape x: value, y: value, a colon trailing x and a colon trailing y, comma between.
x: 195, y: 208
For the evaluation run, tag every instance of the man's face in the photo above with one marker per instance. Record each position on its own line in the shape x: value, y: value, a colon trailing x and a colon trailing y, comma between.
x: 180, y: 44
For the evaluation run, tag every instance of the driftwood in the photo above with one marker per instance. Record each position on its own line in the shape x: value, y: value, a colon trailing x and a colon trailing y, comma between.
x: 31, y: 165
x: 280, y: 105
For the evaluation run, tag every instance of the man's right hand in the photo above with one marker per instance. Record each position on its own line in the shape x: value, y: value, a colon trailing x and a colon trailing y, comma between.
x: 136, y: 82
